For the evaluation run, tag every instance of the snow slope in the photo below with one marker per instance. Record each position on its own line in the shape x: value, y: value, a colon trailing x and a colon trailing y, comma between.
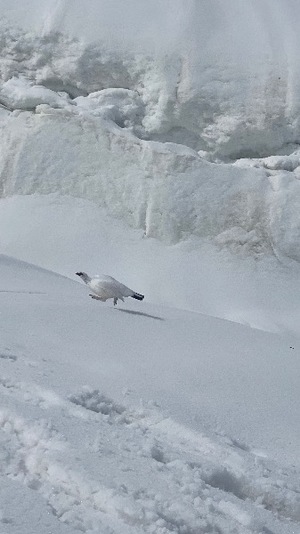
x: 177, y: 121
x: 66, y: 235
x: 137, y: 419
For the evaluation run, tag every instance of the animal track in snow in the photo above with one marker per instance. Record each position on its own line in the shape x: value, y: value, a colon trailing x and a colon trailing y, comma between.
x: 163, y: 477
x: 231, y: 469
x: 226, y: 481
x: 158, y: 454
x: 280, y: 497
x: 30, y: 450
x: 8, y: 356
x: 96, y: 402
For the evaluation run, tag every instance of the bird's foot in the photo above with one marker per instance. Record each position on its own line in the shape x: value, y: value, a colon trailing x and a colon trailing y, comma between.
x: 115, y: 301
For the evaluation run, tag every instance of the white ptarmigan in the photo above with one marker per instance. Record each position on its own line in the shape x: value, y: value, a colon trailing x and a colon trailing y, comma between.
x: 106, y: 287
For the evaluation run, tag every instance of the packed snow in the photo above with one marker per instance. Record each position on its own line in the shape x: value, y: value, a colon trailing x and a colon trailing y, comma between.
x: 166, y: 189
x: 141, y: 419
x: 143, y: 128
x: 158, y: 144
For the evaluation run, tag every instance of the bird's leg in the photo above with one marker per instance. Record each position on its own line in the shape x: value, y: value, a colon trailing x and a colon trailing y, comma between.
x: 115, y: 301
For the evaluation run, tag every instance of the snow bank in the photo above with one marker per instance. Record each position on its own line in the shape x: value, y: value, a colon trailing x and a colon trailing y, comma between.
x: 167, y: 190
x: 105, y: 100
x: 17, y: 94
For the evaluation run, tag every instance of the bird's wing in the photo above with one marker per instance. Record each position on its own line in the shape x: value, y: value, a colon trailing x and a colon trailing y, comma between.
x: 110, y: 286
x: 118, y: 288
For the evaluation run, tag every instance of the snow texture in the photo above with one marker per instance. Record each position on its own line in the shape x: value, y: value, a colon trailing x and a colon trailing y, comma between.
x: 132, y: 450
x: 158, y: 143
x: 103, y: 111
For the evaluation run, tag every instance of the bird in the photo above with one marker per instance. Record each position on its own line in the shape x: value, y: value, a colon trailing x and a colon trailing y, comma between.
x: 106, y: 287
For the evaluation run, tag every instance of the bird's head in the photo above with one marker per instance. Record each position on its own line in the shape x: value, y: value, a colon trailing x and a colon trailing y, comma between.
x: 85, y: 277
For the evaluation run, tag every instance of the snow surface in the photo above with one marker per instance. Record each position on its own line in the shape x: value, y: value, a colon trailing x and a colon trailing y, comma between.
x: 159, y: 144
x: 66, y: 235
x: 138, y: 419
x: 224, y: 79
x: 166, y: 189
x: 142, y: 127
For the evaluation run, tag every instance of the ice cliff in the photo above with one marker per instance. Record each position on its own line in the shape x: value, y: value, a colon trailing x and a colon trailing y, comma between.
x: 182, y: 118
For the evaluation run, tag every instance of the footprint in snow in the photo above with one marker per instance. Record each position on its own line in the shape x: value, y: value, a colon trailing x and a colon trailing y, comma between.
x: 8, y: 357
x: 6, y: 354
x: 97, y: 402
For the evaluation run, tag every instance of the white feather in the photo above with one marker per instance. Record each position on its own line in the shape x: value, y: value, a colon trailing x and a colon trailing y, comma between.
x: 105, y: 287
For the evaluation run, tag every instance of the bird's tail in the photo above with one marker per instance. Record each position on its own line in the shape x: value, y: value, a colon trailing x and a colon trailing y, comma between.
x: 137, y: 296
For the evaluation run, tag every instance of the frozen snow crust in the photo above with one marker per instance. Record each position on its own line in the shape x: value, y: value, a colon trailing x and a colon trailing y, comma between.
x: 140, y: 118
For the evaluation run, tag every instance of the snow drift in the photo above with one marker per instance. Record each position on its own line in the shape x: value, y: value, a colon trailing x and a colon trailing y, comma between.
x: 166, y: 189
x: 140, y: 116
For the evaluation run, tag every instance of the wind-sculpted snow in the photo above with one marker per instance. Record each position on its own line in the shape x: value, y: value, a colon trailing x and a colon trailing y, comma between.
x: 133, y: 119
x: 166, y: 189
x: 220, y: 78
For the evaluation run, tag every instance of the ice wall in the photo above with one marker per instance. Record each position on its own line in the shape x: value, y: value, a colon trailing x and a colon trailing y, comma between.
x: 218, y: 77
x: 144, y: 109
x: 164, y: 188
